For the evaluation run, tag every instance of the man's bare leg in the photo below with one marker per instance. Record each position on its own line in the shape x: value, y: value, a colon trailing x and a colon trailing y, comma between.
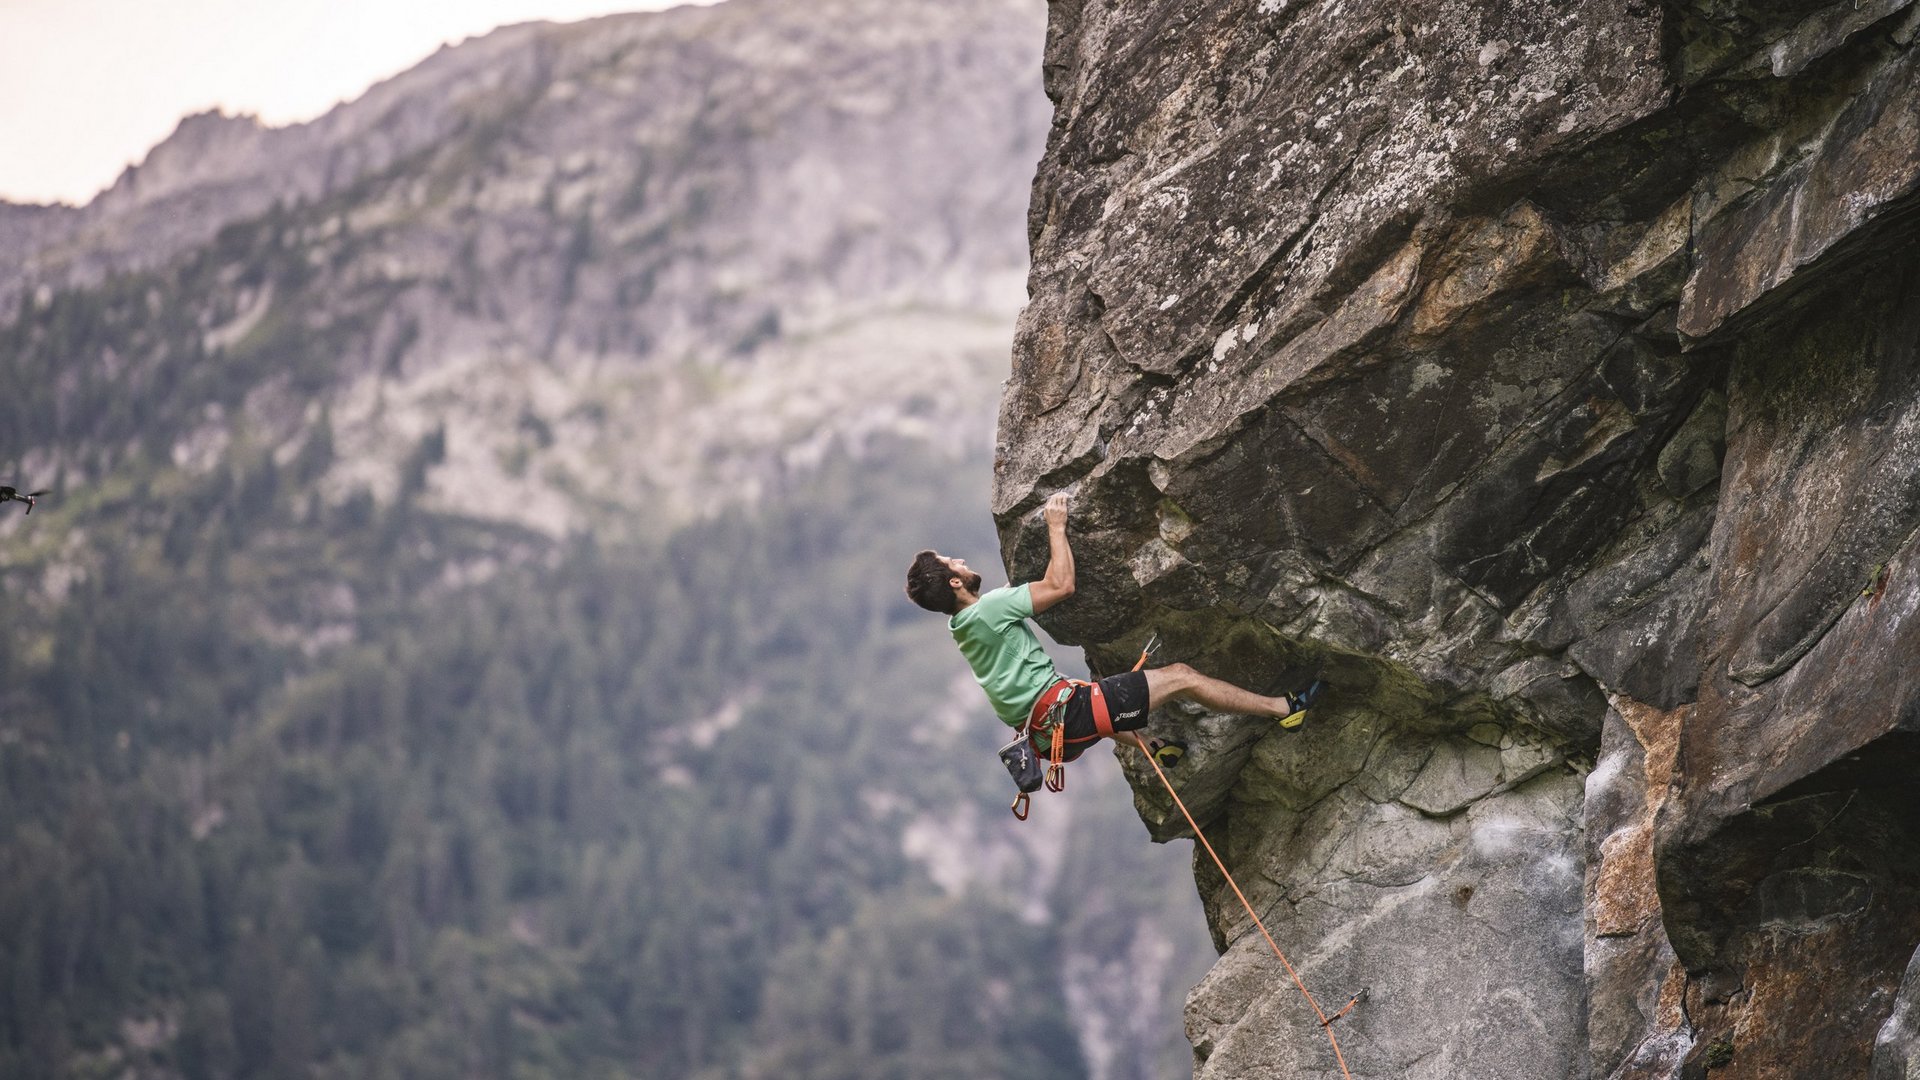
x: 1180, y: 681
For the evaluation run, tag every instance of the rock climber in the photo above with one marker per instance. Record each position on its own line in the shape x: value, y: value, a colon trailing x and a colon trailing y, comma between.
x: 1019, y: 678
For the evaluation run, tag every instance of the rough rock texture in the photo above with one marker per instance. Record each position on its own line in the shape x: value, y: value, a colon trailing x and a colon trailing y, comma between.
x: 1547, y: 377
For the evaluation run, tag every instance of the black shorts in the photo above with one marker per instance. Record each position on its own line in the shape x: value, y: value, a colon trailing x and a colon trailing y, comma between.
x: 1127, y: 706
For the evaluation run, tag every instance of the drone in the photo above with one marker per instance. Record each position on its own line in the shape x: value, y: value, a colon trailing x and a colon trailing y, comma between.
x: 7, y: 493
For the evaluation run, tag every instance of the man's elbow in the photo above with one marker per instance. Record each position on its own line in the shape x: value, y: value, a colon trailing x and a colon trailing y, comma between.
x: 1050, y: 591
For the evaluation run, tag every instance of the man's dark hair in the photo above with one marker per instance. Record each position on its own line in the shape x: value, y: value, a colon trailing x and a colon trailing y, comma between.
x: 927, y: 583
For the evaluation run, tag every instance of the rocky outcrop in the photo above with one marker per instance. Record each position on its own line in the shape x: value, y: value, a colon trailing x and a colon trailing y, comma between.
x: 1547, y: 379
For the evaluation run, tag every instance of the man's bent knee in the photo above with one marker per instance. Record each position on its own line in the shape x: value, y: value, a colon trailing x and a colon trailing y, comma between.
x: 1166, y: 683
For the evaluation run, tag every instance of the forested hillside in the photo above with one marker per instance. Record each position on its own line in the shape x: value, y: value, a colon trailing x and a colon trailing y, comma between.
x: 628, y: 811
x: 440, y: 659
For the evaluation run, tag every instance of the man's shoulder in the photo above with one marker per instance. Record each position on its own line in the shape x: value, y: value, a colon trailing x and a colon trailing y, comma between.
x: 1005, y: 604
x: 1011, y: 599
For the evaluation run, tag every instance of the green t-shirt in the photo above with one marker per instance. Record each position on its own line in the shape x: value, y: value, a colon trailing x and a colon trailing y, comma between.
x: 1005, y: 656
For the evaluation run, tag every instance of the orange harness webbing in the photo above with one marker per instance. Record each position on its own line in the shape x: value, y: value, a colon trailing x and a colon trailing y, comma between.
x: 1050, y: 701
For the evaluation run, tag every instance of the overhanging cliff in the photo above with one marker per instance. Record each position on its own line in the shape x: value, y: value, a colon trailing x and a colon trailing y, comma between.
x: 1547, y: 377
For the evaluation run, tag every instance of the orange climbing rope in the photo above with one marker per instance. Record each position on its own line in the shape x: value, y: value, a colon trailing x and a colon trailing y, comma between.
x: 1326, y: 1023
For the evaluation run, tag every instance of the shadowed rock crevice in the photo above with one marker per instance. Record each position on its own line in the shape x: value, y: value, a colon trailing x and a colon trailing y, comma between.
x: 1803, y: 909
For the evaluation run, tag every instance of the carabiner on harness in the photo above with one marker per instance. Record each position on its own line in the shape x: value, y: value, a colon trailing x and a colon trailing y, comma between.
x: 1055, y: 726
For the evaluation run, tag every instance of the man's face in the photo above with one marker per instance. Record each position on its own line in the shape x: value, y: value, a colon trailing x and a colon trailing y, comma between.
x: 969, y: 580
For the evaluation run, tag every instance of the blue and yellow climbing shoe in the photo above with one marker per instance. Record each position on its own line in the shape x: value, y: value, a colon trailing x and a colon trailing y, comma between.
x: 1169, y: 752
x: 1298, y: 704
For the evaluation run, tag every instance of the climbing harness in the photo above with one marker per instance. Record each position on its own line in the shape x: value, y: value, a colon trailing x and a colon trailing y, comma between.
x: 1048, y: 716
x: 1326, y: 1022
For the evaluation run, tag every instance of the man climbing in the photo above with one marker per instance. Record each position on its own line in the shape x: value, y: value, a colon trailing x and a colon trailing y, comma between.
x: 1019, y: 678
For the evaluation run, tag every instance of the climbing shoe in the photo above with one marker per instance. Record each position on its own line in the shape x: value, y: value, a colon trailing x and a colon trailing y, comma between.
x: 1169, y: 752
x: 1299, y: 703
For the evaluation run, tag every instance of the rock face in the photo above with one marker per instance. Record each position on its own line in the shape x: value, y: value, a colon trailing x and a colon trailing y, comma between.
x: 1547, y: 378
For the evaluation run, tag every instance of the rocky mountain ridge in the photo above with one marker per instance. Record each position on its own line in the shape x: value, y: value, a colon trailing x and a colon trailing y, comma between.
x: 1544, y: 378
x: 487, y: 264
x: 217, y: 169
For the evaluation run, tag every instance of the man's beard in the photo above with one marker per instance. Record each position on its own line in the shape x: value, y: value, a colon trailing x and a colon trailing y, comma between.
x: 972, y: 583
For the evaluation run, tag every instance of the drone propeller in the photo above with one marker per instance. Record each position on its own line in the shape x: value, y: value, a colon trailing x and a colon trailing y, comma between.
x: 8, y: 494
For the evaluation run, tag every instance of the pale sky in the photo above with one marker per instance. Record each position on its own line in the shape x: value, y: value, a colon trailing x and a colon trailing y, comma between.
x: 88, y: 86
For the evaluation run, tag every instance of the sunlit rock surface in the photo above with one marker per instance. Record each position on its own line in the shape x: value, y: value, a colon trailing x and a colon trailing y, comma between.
x: 1546, y: 378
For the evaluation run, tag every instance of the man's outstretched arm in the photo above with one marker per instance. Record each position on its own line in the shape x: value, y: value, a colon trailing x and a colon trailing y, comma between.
x: 1057, y: 585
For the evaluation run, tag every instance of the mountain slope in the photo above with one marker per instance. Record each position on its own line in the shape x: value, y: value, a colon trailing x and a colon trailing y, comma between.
x: 585, y: 229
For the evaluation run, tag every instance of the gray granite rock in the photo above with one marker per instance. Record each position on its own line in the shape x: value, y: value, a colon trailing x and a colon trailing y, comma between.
x: 1546, y: 371
x: 1896, y: 1049
x: 1463, y: 930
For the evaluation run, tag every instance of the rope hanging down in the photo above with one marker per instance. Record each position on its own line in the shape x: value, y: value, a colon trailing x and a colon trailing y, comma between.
x: 1326, y: 1022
